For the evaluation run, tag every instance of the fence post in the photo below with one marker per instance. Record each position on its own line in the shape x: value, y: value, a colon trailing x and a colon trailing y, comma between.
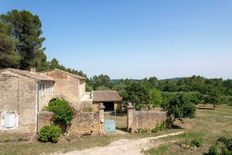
x: 130, y: 110
x: 101, y: 119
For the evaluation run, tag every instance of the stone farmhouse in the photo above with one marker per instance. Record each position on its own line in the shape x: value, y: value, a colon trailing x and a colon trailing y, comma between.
x: 24, y: 94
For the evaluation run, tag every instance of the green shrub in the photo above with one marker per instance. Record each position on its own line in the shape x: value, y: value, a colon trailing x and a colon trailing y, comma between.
x: 213, y: 150
x: 159, y: 127
x: 226, y: 149
x: 197, y: 142
x: 49, y: 133
x: 63, y: 112
x: 226, y: 100
x: 226, y: 141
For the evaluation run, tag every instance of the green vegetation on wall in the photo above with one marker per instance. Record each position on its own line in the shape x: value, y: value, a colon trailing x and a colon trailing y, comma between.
x: 63, y: 112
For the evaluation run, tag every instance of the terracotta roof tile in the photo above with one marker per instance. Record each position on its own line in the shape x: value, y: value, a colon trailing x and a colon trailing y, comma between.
x: 73, y: 75
x: 106, y: 96
x: 34, y: 75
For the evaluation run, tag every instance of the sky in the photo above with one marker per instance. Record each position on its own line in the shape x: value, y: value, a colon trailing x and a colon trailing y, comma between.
x: 136, y: 38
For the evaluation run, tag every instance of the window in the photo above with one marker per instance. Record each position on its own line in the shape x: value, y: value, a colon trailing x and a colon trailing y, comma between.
x: 9, y: 120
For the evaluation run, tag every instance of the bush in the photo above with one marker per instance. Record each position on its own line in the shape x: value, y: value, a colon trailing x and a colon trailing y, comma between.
x: 226, y: 100
x: 49, y: 133
x: 63, y: 112
x: 226, y: 149
x: 226, y: 141
x: 213, y: 150
x: 196, y: 142
x: 158, y: 128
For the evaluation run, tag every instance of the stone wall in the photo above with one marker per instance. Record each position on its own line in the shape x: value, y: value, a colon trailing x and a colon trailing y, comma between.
x: 88, y: 123
x: 45, y: 118
x: 144, y: 119
x: 85, y: 123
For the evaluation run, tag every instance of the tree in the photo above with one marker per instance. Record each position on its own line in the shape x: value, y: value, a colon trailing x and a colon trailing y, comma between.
x: 26, y: 28
x: 137, y: 94
x: 227, y: 84
x: 8, y: 56
x: 101, y: 80
x: 155, y: 99
x: 179, y: 107
x: 54, y: 64
x: 153, y: 81
x: 213, y: 97
x: 102, y: 88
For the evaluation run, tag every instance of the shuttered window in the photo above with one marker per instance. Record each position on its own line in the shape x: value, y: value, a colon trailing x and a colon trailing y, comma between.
x: 10, y: 120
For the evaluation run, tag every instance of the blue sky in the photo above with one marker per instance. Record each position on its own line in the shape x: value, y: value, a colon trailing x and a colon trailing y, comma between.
x: 136, y: 38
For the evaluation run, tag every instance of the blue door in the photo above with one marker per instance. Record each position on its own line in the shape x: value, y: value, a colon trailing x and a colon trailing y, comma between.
x: 109, y: 126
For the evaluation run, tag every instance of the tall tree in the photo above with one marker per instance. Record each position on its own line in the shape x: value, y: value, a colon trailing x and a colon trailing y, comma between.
x: 26, y: 28
x: 155, y: 99
x: 138, y: 95
x: 54, y: 64
x: 8, y: 56
x: 178, y: 107
x: 101, y: 80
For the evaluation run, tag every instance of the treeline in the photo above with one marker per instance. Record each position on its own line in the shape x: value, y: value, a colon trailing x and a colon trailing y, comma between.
x: 201, y: 90
x: 21, y: 43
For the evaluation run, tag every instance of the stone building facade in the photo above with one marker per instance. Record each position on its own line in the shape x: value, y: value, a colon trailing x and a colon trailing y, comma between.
x: 68, y: 86
x: 23, y: 94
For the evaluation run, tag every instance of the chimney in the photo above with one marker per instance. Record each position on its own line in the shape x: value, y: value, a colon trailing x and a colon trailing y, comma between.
x: 32, y: 69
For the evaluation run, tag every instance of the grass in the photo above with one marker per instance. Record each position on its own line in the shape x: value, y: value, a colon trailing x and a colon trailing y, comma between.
x: 36, y: 148
x: 39, y: 148
x: 159, y: 151
x: 208, y: 126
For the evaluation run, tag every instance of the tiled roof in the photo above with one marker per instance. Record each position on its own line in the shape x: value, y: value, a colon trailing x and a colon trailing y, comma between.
x: 34, y: 75
x: 73, y: 75
x: 106, y: 96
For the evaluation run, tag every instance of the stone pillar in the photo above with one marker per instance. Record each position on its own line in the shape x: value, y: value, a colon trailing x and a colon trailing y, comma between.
x: 101, y: 119
x: 130, y: 110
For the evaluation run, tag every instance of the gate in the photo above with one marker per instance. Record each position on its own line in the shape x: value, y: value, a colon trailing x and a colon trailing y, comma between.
x: 110, y: 122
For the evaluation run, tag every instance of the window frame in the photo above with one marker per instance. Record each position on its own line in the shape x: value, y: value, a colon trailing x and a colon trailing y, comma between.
x: 16, y: 120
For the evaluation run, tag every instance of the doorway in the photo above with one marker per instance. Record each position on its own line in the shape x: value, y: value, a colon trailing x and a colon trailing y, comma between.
x: 109, y: 106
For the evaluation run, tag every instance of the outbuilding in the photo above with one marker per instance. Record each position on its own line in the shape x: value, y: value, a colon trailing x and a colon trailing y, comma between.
x: 110, y: 99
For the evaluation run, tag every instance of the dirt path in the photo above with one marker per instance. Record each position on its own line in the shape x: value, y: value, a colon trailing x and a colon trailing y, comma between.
x: 124, y: 146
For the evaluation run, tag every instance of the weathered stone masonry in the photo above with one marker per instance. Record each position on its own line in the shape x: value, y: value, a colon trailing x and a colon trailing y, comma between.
x: 144, y: 119
x: 83, y: 123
